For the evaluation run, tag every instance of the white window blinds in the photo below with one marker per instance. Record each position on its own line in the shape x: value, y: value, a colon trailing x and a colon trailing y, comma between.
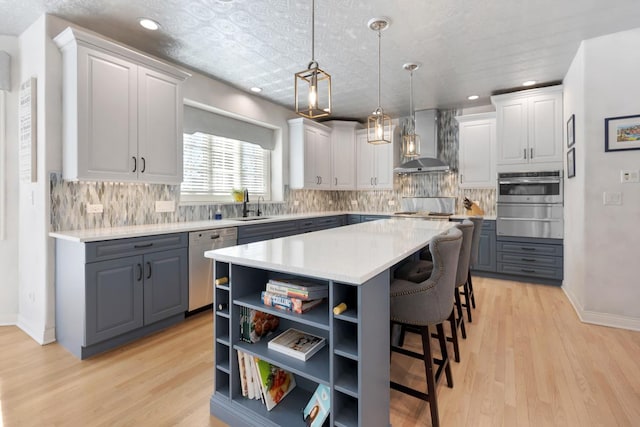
x: 214, y: 165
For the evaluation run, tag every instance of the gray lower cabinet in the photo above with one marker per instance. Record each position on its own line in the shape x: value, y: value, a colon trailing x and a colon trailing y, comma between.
x: 112, y: 292
x: 539, y: 260
x: 321, y: 223
x: 487, y: 248
x: 271, y: 230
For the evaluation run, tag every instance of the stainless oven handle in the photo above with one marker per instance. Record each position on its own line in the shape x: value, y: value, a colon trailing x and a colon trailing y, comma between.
x: 528, y: 219
x: 530, y: 181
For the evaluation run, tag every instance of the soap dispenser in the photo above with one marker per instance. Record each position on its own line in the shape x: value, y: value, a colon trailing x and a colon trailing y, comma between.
x: 218, y: 213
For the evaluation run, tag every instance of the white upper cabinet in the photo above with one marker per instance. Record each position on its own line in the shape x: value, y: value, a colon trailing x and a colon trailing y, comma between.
x: 375, y: 163
x: 310, y: 155
x: 343, y: 154
x: 529, y: 129
x: 477, y: 160
x: 122, y: 113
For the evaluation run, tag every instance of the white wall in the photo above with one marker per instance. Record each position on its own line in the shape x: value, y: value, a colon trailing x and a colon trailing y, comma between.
x: 609, y: 289
x: 9, y: 171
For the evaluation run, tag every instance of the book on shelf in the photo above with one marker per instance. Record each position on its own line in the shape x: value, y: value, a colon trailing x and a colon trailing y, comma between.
x: 293, y: 304
x: 255, y: 324
x: 243, y: 374
x: 317, y: 410
x: 274, y: 381
x: 298, y: 288
x: 256, y: 379
x: 298, y: 344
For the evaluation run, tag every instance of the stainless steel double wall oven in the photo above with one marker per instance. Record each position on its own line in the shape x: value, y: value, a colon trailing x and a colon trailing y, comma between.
x: 530, y: 204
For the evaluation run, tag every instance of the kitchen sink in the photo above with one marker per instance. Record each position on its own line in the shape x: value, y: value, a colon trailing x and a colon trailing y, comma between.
x: 250, y: 218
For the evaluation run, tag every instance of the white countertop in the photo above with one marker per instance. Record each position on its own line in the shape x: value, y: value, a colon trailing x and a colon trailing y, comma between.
x: 350, y: 254
x: 97, y: 234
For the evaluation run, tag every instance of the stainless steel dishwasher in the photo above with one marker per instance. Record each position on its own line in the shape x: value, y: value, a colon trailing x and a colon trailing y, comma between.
x: 200, y: 268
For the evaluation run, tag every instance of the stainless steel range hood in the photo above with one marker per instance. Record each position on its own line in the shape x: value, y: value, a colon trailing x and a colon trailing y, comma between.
x: 427, y: 128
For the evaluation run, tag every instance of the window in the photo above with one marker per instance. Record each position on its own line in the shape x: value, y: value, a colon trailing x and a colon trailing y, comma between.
x: 222, y: 153
x: 215, y: 165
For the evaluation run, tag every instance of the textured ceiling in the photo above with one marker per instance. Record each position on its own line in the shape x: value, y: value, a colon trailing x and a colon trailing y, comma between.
x: 465, y: 46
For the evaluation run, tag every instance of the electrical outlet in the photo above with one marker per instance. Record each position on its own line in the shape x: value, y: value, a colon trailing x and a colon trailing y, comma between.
x: 354, y: 203
x: 165, y: 206
x: 392, y: 202
x: 612, y: 198
x: 627, y: 176
x: 95, y: 208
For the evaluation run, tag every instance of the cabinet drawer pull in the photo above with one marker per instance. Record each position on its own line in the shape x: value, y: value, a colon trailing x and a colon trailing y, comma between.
x: 144, y: 164
x: 149, y: 267
x: 145, y: 245
x: 215, y: 236
x: 135, y: 164
x: 528, y: 249
x: 139, y: 272
x: 528, y: 259
x: 526, y: 270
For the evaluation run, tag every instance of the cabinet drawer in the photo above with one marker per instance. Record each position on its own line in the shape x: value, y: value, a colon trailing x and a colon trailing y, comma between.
x: 530, y: 248
x: 531, y: 271
x: 353, y: 219
x: 110, y: 249
x: 532, y: 260
x: 249, y: 231
x: 489, y: 225
x: 365, y: 218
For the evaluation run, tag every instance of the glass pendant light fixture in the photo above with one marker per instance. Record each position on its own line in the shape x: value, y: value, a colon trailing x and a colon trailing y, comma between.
x: 378, y: 123
x: 313, y: 86
x: 411, y: 140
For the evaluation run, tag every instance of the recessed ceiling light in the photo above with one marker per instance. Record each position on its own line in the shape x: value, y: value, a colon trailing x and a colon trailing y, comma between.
x: 472, y: 97
x: 149, y: 24
x: 256, y: 89
x: 529, y: 83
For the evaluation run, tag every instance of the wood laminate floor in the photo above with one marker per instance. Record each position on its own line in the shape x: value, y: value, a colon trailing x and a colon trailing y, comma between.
x: 527, y: 361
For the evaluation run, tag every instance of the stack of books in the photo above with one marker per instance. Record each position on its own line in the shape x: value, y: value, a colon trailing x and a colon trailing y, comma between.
x: 294, y: 295
x: 298, y: 344
x: 263, y: 381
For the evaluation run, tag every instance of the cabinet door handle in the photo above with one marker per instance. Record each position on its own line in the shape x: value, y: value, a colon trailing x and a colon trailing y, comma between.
x: 149, y: 267
x: 461, y: 178
x: 525, y: 153
x: 375, y: 180
x: 135, y: 164
x: 336, y: 181
x: 144, y: 164
x: 139, y: 272
x: 531, y: 153
x: 143, y: 245
x: 320, y: 180
x: 371, y: 180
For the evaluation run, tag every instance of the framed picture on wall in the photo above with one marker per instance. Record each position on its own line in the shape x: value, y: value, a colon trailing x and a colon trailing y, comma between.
x: 622, y: 133
x: 571, y: 163
x: 571, y: 131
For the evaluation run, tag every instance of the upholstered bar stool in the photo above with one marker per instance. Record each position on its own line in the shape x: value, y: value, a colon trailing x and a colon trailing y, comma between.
x: 475, y: 244
x: 427, y: 304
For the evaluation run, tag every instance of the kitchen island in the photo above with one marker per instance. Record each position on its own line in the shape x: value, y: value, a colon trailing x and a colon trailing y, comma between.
x: 355, y: 262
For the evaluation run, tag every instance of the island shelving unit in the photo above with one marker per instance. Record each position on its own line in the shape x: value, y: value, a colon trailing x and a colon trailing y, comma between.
x: 355, y: 263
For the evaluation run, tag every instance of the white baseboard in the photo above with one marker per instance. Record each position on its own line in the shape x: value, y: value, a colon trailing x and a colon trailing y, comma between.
x: 42, y: 337
x: 602, y: 319
x: 8, y: 319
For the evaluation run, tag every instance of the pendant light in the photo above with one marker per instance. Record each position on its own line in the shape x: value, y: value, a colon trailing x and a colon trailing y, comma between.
x: 313, y: 86
x: 378, y: 123
x: 411, y: 140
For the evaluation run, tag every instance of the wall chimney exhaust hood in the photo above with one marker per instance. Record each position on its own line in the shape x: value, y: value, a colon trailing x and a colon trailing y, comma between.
x: 427, y: 128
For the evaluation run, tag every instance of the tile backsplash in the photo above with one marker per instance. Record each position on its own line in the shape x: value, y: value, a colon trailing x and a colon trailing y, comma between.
x: 134, y: 204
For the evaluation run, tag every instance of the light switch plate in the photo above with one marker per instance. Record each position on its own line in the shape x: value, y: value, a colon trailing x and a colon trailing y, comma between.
x: 165, y: 206
x: 629, y: 176
x: 392, y: 202
x: 95, y: 208
x: 612, y: 198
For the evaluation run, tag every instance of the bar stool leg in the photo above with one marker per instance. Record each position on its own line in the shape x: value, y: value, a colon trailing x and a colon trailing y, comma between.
x: 431, y: 381
x: 467, y: 300
x: 460, y: 319
x: 445, y: 354
x: 454, y: 336
x: 473, y: 297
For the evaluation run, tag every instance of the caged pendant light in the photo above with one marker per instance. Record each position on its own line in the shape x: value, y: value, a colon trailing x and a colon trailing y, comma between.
x: 313, y: 85
x: 411, y: 140
x: 378, y: 123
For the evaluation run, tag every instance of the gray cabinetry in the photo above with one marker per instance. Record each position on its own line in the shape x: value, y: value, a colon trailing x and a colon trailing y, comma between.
x: 272, y: 230
x: 111, y: 292
x: 537, y: 259
x: 487, y: 248
x: 321, y: 223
